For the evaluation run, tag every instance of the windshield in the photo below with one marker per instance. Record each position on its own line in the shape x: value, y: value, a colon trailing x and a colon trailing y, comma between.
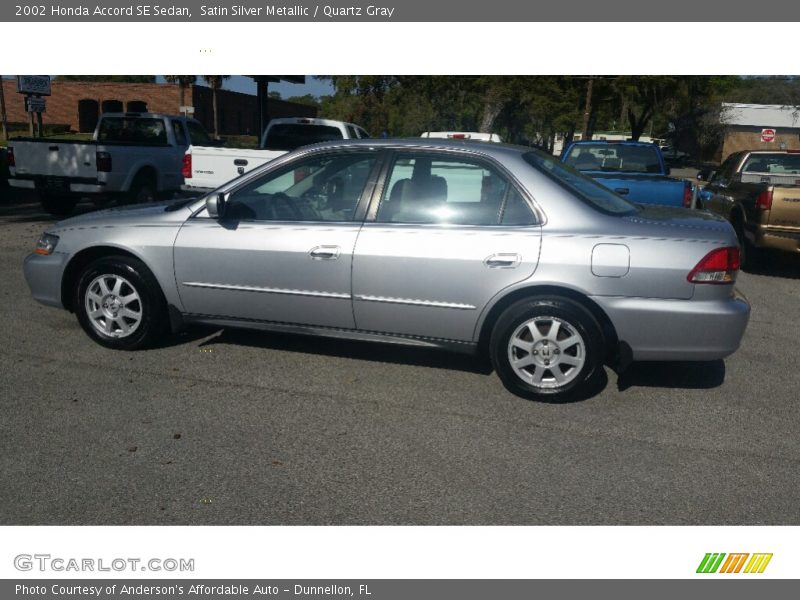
x: 580, y: 185
x: 289, y: 136
x: 620, y: 158
x: 132, y: 130
x: 774, y: 164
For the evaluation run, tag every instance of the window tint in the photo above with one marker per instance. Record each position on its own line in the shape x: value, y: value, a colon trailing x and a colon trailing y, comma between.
x: 775, y: 164
x: 289, y: 136
x: 516, y: 210
x: 427, y: 188
x: 725, y: 173
x: 621, y: 158
x: 180, y: 136
x: 362, y: 134
x: 133, y: 131
x: 322, y: 188
x: 580, y: 185
x: 197, y: 134
x: 351, y: 131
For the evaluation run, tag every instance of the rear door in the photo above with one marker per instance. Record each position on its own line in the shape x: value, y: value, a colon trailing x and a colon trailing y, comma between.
x: 445, y: 233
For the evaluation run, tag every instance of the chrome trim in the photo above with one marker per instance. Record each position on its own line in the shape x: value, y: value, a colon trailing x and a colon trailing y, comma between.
x: 265, y: 290
x: 432, y: 303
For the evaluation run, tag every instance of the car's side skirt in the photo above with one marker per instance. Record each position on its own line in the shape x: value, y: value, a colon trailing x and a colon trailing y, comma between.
x: 332, y: 332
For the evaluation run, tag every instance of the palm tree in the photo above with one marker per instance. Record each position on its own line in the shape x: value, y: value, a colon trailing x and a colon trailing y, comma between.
x: 215, y: 83
x: 183, y: 81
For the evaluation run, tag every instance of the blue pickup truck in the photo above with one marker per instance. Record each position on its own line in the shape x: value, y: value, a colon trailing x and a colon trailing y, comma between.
x: 634, y: 170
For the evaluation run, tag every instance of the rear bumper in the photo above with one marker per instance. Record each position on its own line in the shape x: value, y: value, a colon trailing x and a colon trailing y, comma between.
x: 690, y: 330
x: 768, y: 237
x: 70, y: 185
x: 43, y: 275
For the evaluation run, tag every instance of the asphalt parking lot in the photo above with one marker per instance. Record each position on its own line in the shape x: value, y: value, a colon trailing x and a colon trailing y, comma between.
x: 237, y: 428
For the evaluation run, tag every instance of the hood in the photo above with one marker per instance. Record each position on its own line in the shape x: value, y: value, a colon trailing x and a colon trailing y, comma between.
x: 151, y: 214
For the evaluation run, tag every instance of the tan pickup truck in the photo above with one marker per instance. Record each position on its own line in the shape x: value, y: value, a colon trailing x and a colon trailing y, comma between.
x: 759, y: 193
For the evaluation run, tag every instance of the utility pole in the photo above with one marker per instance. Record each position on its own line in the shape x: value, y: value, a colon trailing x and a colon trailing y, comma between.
x: 3, y: 110
x: 587, y: 113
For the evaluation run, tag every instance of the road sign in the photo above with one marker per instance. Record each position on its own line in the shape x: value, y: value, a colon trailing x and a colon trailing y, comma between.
x: 767, y: 135
x: 33, y: 84
x: 187, y: 110
x: 34, y: 104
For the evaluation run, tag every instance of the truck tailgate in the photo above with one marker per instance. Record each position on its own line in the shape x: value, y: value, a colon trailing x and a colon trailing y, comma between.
x: 213, y: 167
x: 645, y: 189
x: 785, y: 212
x: 54, y: 158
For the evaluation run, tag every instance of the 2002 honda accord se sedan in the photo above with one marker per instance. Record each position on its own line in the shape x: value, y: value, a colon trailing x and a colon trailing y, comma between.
x: 424, y: 242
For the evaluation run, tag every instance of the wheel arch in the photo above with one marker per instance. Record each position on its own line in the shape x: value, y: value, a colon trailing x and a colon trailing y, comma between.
x: 143, y: 171
x: 609, y: 332
x: 85, y: 257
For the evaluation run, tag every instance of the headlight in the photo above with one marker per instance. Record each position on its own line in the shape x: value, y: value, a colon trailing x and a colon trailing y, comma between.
x: 46, y: 244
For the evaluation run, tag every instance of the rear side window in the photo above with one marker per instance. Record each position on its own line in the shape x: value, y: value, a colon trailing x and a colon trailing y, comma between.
x: 180, y: 136
x: 580, y: 185
x: 439, y: 189
x: 351, y: 131
x: 133, y: 131
x: 289, y: 136
x: 197, y: 134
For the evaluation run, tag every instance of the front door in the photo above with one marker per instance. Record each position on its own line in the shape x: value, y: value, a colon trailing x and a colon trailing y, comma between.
x: 283, y: 250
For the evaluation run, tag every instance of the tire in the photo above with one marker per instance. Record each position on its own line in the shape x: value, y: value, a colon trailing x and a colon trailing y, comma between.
x: 107, y: 309
x: 58, y: 205
x: 553, y: 366
x: 749, y: 255
x: 143, y: 190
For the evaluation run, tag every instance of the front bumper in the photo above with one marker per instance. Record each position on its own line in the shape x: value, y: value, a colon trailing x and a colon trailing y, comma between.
x: 678, y: 330
x: 44, y: 275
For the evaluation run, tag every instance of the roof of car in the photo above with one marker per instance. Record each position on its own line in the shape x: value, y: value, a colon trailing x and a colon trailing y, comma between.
x: 479, y: 147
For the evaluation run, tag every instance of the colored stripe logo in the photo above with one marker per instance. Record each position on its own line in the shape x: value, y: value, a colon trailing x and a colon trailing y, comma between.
x: 737, y: 562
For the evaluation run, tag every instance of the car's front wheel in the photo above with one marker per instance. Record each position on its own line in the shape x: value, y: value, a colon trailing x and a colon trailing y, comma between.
x: 119, y: 304
x: 547, y: 348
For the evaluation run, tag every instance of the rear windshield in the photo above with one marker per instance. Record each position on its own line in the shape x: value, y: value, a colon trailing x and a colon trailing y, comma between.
x: 774, y: 164
x: 621, y: 158
x: 133, y: 131
x: 585, y: 188
x: 288, y: 136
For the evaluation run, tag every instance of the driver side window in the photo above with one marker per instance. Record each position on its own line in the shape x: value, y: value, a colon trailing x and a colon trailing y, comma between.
x: 321, y: 188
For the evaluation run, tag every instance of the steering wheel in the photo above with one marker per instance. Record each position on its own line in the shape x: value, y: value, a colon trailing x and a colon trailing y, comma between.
x: 289, y: 202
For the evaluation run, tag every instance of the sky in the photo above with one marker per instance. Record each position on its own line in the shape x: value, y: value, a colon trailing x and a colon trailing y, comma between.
x: 240, y: 83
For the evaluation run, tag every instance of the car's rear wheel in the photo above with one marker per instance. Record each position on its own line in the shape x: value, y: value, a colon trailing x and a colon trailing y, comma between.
x: 119, y: 303
x: 143, y: 190
x: 59, y: 205
x: 547, y: 348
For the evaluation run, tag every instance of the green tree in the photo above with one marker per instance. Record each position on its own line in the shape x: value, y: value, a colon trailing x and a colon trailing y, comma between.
x: 215, y: 82
x: 183, y: 81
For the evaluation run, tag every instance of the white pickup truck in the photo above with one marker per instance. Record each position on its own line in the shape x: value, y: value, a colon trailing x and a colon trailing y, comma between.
x: 137, y: 156
x: 205, y: 169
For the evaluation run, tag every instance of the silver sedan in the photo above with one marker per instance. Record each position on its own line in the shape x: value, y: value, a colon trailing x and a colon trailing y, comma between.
x: 431, y: 243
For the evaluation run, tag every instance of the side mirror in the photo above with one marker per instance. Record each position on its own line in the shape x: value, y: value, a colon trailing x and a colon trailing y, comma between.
x: 705, y: 174
x: 215, y: 205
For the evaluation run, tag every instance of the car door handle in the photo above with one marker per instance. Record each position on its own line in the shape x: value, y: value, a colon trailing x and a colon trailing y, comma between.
x: 503, y: 261
x: 622, y: 191
x: 324, y: 252
x: 240, y: 162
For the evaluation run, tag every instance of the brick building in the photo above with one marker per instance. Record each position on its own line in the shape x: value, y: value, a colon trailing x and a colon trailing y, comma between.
x: 745, y: 126
x: 78, y: 104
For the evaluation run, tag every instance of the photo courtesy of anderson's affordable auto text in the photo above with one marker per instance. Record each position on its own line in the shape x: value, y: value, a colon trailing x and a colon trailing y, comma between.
x: 531, y: 332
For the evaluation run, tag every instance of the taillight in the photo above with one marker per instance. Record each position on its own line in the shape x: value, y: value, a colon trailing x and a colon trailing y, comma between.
x: 764, y: 200
x: 186, y: 168
x: 718, y: 266
x: 10, y: 158
x: 103, y: 161
x: 458, y: 136
x: 687, y: 195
